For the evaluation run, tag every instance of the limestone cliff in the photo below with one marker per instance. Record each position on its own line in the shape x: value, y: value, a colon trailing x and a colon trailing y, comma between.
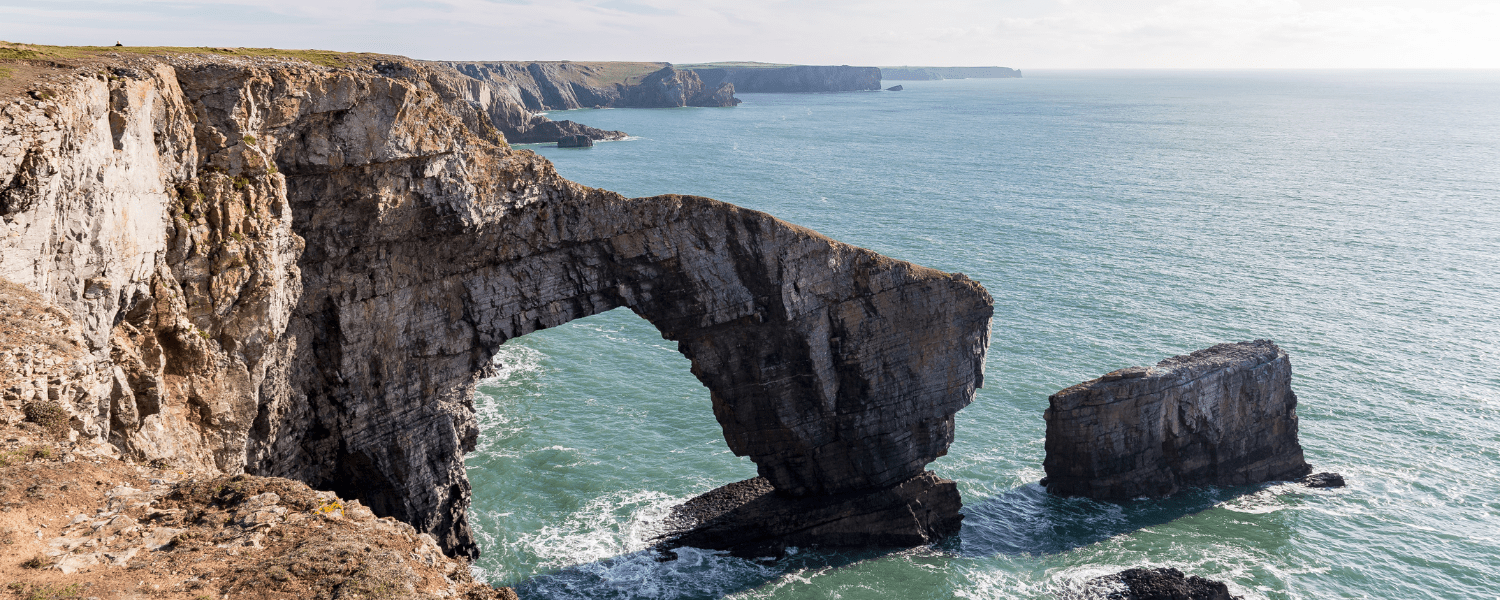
x: 295, y: 270
x: 1224, y: 415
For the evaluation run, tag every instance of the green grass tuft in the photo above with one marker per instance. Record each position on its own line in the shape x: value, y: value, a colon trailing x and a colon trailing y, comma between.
x: 326, y: 58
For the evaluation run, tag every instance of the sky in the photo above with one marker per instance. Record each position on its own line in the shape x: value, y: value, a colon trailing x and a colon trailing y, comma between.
x: 1175, y: 34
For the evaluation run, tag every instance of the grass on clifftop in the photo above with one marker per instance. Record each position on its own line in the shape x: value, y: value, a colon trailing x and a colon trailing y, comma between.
x: 325, y: 58
x: 734, y: 65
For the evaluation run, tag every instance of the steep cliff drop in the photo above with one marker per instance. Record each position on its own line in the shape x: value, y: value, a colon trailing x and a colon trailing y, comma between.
x: 301, y: 271
x: 1225, y: 415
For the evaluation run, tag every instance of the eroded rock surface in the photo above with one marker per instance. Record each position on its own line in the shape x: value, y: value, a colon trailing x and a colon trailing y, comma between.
x: 1225, y: 415
x: 301, y: 271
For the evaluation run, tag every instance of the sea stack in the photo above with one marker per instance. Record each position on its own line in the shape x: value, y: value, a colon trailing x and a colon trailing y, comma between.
x: 1225, y: 415
x: 574, y: 141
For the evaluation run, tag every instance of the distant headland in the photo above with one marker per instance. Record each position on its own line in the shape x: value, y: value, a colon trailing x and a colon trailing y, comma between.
x: 936, y: 73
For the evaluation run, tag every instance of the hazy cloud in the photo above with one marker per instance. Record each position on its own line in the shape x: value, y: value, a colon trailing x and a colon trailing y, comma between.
x: 1019, y: 33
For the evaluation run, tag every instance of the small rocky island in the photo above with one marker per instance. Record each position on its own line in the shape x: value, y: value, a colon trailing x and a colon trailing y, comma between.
x: 1225, y: 415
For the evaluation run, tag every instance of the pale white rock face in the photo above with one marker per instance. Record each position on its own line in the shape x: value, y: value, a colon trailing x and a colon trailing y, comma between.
x: 301, y: 272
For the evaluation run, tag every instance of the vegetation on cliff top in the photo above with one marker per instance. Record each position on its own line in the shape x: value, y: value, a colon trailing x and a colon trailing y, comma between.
x: 327, y: 58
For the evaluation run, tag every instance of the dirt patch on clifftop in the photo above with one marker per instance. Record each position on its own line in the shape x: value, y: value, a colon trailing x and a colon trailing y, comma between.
x: 78, y: 522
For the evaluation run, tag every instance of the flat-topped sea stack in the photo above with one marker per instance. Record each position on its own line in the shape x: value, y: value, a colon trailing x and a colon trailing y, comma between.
x: 1225, y: 415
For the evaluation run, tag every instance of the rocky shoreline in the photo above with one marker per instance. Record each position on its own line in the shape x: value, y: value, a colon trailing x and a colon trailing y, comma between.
x: 267, y: 276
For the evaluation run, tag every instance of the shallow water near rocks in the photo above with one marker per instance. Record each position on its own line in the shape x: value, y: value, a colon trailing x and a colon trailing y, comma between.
x: 1118, y: 218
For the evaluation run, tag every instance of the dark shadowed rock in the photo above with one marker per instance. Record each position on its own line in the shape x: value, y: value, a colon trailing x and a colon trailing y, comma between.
x: 1323, y: 480
x: 748, y: 518
x: 1221, y: 416
x: 894, y: 88
x: 574, y: 141
x: 1152, y: 584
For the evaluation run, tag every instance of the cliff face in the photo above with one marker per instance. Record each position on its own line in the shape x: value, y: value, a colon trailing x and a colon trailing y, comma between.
x: 299, y: 271
x: 1225, y: 415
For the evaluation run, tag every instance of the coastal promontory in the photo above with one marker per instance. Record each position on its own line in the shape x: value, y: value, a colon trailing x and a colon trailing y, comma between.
x: 300, y: 269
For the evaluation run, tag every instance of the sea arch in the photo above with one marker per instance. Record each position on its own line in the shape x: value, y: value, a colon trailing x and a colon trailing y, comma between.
x: 835, y: 369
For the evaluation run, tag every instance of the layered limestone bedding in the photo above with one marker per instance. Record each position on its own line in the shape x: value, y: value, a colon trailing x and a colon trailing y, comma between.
x: 283, y: 269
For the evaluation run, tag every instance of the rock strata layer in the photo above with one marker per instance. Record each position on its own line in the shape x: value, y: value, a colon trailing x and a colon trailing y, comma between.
x: 1221, y: 416
x: 749, y: 519
x: 290, y: 270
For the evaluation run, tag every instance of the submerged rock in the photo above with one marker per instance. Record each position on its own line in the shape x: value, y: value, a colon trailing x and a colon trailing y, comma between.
x: 1221, y: 416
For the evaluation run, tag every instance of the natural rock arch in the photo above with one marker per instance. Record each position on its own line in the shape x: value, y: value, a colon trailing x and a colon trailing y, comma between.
x: 834, y: 368
x: 301, y: 272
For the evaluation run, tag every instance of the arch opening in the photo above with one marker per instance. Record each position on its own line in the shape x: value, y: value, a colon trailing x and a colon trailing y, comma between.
x: 589, y: 432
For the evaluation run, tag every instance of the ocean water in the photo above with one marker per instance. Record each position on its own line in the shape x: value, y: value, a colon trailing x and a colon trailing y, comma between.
x: 1117, y: 218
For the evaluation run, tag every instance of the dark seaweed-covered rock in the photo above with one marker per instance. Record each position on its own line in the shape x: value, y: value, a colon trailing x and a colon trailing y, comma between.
x: 1323, y: 480
x: 1154, y: 584
x: 749, y: 519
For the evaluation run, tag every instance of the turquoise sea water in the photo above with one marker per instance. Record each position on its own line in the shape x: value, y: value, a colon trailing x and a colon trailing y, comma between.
x: 1118, y: 218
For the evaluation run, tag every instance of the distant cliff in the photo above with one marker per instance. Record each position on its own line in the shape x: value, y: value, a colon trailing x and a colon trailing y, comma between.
x: 512, y: 92
x: 798, y: 78
x: 934, y: 73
